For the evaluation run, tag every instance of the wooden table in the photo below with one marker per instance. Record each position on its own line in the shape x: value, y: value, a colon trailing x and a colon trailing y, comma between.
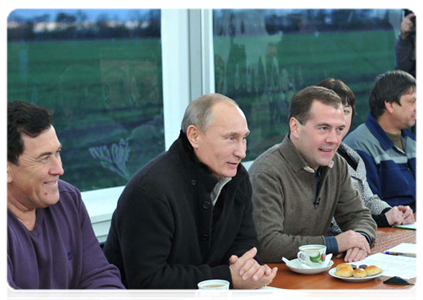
x: 386, y: 238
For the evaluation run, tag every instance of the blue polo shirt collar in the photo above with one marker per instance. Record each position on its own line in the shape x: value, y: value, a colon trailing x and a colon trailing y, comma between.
x: 381, y: 135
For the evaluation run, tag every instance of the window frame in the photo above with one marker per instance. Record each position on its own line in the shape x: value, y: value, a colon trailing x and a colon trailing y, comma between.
x: 188, y: 72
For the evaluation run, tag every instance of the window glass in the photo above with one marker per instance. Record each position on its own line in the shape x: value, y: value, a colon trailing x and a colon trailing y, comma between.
x: 100, y: 72
x: 263, y: 57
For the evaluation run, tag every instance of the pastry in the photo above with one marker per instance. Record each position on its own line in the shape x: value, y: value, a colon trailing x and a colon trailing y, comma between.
x: 359, y: 273
x: 344, y: 272
x: 344, y: 265
x: 373, y: 270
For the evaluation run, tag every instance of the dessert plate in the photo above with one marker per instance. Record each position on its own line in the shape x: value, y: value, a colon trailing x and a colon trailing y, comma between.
x: 353, y: 279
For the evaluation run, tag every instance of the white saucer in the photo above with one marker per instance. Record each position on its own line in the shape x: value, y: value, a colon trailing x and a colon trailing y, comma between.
x: 353, y: 279
x: 295, y: 266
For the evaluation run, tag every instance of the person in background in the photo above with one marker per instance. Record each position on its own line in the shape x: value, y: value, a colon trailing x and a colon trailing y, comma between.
x: 384, y: 142
x: 50, y: 240
x: 302, y: 183
x: 186, y: 216
x: 405, y: 45
x: 383, y: 214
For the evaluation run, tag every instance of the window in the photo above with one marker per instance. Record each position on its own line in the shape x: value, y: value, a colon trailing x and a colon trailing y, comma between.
x: 100, y: 72
x: 263, y: 57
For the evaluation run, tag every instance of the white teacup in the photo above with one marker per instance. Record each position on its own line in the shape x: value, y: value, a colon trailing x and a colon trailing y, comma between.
x: 213, y: 289
x: 312, y: 255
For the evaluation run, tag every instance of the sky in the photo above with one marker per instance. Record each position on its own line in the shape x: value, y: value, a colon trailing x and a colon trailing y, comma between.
x: 92, y: 13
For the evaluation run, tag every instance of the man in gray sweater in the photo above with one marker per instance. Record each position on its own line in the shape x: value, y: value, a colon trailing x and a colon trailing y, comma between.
x: 301, y: 183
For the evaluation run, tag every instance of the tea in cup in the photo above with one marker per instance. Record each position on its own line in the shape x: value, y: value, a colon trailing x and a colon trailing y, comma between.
x: 312, y: 255
x: 213, y: 289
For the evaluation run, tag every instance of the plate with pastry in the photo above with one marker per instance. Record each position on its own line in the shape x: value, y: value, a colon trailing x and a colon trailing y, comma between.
x: 296, y: 266
x: 352, y: 273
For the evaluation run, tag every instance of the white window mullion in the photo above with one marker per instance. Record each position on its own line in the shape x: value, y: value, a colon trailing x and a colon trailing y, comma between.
x: 207, y: 49
x: 175, y: 65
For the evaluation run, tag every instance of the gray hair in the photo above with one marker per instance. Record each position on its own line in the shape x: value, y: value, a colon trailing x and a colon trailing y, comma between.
x: 199, y: 111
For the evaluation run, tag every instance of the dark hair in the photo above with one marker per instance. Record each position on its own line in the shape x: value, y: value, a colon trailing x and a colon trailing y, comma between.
x: 302, y: 101
x: 24, y: 118
x: 389, y: 87
x: 344, y: 92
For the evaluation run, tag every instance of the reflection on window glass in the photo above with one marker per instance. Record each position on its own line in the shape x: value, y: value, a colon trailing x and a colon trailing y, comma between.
x: 263, y: 57
x: 99, y: 71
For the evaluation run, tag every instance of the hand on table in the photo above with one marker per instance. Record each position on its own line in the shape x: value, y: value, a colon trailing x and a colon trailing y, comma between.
x: 400, y: 215
x: 394, y: 216
x: 248, y: 274
x: 351, y: 239
x: 355, y: 254
x: 407, y: 214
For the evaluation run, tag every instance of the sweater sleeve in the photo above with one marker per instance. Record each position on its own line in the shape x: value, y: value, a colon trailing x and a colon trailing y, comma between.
x: 96, y: 272
x: 372, y: 201
x: 269, y: 216
x: 331, y: 245
x: 381, y: 219
x: 12, y: 291
x: 351, y: 213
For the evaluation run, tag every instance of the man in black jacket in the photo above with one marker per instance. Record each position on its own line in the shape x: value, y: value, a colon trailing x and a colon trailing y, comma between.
x: 187, y: 215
